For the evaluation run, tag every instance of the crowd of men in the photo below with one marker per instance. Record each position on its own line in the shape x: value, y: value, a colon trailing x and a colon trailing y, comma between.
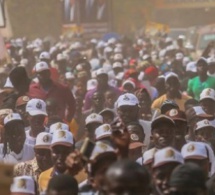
x: 115, y: 117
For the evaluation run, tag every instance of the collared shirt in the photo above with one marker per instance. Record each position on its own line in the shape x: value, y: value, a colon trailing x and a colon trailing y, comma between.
x: 89, y: 96
x: 180, y: 102
x: 47, y: 175
x: 61, y: 93
x: 29, y: 168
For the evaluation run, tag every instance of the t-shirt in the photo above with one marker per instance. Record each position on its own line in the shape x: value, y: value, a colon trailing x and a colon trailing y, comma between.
x: 195, y: 86
x: 180, y: 102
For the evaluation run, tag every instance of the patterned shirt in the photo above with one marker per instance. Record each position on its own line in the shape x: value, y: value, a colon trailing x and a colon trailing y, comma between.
x: 29, y: 168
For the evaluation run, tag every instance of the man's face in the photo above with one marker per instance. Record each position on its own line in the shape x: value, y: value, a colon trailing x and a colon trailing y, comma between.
x: 98, y: 100
x: 23, y: 113
x: 163, y: 135
x: 44, y: 76
x: 144, y: 99
x: 172, y: 85
x: 208, y: 105
x: 43, y: 157
x: 205, y: 134
x: 110, y: 98
x: 202, y: 68
x: 161, y: 176
x: 108, y: 117
x: 128, y: 113
x: 15, y: 136
x: 37, y: 122
x: 102, y: 80
x: 59, y: 154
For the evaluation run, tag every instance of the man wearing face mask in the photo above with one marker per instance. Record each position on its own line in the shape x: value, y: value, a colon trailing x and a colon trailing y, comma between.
x: 173, y: 93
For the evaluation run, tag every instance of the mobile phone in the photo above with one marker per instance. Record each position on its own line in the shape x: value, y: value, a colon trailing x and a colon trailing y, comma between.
x: 87, y: 149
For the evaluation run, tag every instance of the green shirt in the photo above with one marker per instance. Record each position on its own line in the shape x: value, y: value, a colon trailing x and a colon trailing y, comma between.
x: 195, y: 86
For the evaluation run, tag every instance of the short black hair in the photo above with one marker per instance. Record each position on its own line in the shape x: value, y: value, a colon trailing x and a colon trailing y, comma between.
x: 17, y: 74
x: 63, y: 182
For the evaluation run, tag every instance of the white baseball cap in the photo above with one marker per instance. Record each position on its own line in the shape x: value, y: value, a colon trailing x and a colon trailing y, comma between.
x: 167, y: 155
x: 211, y: 60
x: 23, y: 184
x: 120, y: 76
x: 69, y: 76
x: 41, y: 66
x: 12, y: 117
x: 44, y: 56
x: 91, y: 84
x: 103, y: 131
x: 127, y: 99
x: 117, y: 65
x: 94, y: 118
x: 43, y: 140
x: 101, y: 71
x: 62, y: 137
x: 194, y: 150
x: 169, y: 75
x: 8, y: 83
x: 148, y: 156
x: 202, y: 124
x: 118, y: 56
x: 128, y: 82
x: 118, y: 50
x: 61, y: 56
x: 108, y: 50
x: 101, y: 148
x: 36, y: 107
x: 207, y: 94
x: 58, y: 126
x: 191, y: 66
x: 179, y: 56
x: 111, y: 40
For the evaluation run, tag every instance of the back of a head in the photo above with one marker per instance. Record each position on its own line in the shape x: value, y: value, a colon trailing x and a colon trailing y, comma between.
x: 18, y: 73
x: 188, y: 176
x: 127, y: 171
x: 63, y: 183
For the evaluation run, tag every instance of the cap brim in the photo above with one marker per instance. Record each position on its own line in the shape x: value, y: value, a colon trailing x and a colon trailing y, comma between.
x: 196, y: 157
x: 179, y: 119
x: 165, y: 162
x: 37, y: 71
x: 207, y: 97
x: 162, y: 119
x: 204, y: 127
x: 42, y: 146
x: 37, y: 112
x: 93, y: 122
x: 103, y: 136
x: 148, y: 161
x: 61, y: 144
x: 134, y: 145
x: 125, y: 104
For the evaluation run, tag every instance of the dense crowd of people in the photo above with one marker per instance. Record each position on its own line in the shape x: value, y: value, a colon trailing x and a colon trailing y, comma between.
x: 121, y: 116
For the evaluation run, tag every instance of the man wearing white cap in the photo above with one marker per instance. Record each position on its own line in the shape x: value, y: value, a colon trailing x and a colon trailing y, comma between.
x: 128, y: 111
x: 15, y: 149
x: 42, y: 160
x: 207, y: 101
x: 103, y: 86
x: 172, y: 85
x: 47, y: 88
x: 61, y: 146
x: 36, y: 110
x: 165, y: 161
x: 23, y: 185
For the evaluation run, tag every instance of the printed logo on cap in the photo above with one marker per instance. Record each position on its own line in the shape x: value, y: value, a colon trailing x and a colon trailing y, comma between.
x: 106, y: 128
x: 134, y: 137
x: 21, y: 184
x: 208, y: 92
x: 93, y: 116
x: 39, y: 105
x: 206, y: 122
x: 59, y: 126
x: 173, y: 112
x: 190, y: 148
x: 46, y: 139
x: 170, y: 153
x: 61, y: 134
x: 103, y: 146
x: 10, y: 116
x: 25, y: 98
x: 126, y: 98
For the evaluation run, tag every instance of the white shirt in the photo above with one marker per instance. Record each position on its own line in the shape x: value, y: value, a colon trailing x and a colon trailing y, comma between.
x: 147, y: 130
